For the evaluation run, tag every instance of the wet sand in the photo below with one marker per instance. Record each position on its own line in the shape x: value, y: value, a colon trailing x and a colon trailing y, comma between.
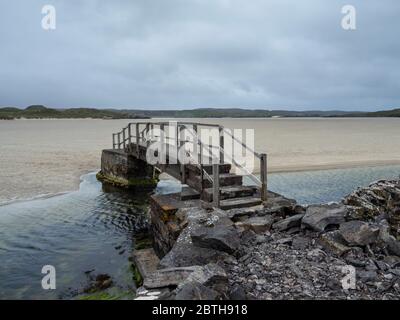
x: 48, y: 156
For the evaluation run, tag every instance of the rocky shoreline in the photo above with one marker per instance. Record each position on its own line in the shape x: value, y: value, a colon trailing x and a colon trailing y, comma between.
x: 277, y: 250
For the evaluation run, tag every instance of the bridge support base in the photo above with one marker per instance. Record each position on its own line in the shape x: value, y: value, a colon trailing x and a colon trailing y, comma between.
x: 122, y: 170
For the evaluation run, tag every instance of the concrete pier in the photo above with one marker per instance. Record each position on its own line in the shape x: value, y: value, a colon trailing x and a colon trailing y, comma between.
x: 122, y: 169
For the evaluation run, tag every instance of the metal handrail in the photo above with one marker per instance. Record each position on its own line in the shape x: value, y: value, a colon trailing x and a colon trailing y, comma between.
x: 258, y: 155
x: 140, y: 135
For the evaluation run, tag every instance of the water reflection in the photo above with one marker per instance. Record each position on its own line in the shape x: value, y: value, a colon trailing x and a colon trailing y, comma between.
x: 84, y: 230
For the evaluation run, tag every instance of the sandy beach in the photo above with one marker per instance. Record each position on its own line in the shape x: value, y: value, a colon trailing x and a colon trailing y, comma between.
x: 48, y: 156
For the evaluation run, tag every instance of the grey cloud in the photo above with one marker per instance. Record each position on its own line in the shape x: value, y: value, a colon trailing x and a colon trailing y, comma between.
x: 209, y: 53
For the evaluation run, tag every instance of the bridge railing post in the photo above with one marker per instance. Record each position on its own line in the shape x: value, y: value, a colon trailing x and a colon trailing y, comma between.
x: 147, y: 135
x: 181, y: 133
x: 167, y: 138
x: 119, y: 140
x: 177, y: 142
x: 123, y: 138
x: 137, y: 140
x: 163, y: 155
x: 113, y: 140
x: 195, y: 142
x: 221, y: 144
x: 263, y: 176
x: 216, y: 195
x: 129, y: 133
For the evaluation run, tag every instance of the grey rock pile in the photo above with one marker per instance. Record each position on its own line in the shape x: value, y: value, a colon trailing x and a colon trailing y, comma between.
x: 280, y: 250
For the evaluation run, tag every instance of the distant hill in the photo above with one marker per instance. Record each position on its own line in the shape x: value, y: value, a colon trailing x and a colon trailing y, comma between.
x: 246, y: 113
x: 42, y: 112
x: 389, y: 113
x: 234, y: 113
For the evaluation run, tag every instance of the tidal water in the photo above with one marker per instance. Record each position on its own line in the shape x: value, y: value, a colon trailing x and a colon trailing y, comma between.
x: 49, y: 156
x: 77, y: 232
x: 91, y: 231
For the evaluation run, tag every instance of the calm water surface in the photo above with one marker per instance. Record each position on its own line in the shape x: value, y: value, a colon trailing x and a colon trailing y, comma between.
x: 92, y: 230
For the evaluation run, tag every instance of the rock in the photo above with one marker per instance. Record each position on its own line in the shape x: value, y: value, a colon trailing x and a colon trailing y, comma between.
x: 333, y: 243
x: 293, y: 230
x: 333, y: 284
x: 195, y: 291
x: 390, y: 242
x: 393, y: 246
x: 146, y: 298
x: 287, y: 240
x: 223, y: 238
x: 186, y: 255
x: 168, y: 277
x: 237, y: 293
x: 379, y: 200
x: 260, y: 238
x: 392, y: 261
x: 210, y: 275
x: 146, y: 261
x: 318, y: 217
x: 300, y: 243
x: 382, y: 265
x: 159, y: 294
x: 257, y: 224
x: 396, y: 272
x: 371, y: 266
x: 278, y: 204
x: 105, y: 284
x: 355, y: 262
x: 237, y: 213
x: 291, y: 222
x: 366, y: 276
x: 358, y: 233
x: 100, y: 282
x: 388, y: 276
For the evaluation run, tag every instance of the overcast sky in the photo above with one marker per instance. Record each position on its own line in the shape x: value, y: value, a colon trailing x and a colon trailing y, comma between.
x: 158, y: 54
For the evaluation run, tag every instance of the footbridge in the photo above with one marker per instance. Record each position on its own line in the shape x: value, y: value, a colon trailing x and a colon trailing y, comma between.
x: 206, y: 158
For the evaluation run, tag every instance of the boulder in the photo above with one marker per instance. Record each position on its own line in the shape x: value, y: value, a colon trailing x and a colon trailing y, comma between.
x: 195, y: 291
x: 366, y: 276
x: 277, y: 204
x: 186, y: 255
x: 318, y: 217
x: 381, y: 198
x: 220, y: 237
x: 257, y: 224
x: 157, y: 294
x: 237, y: 293
x: 333, y: 243
x: 358, y: 233
x: 168, y: 277
x: 288, y: 223
x: 300, y: 243
x: 393, y: 246
x: 392, y: 261
x: 237, y: 213
x: 211, y: 276
x: 387, y: 240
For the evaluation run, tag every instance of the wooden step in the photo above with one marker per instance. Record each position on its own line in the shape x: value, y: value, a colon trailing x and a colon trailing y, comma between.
x: 225, y: 179
x: 239, y: 203
x: 223, y: 168
x: 229, y: 192
x: 189, y: 193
